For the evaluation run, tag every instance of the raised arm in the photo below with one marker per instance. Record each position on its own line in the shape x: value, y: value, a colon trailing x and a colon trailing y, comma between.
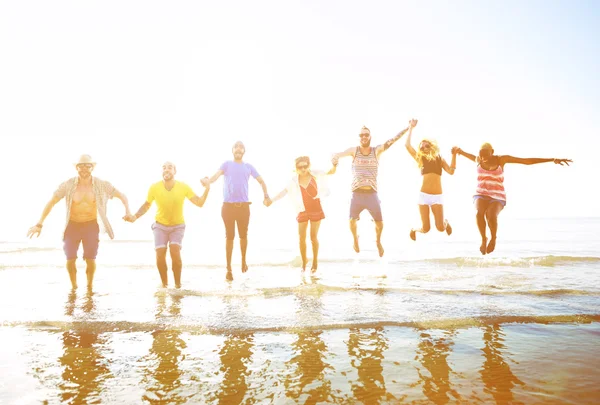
x: 199, y: 201
x: 381, y: 148
x: 452, y: 168
x: 532, y: 161
x: 409, y: 146
x: 334, y: 163
x: 459, y: 151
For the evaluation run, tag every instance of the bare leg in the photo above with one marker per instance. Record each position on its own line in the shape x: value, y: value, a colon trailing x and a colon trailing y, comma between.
x: 425, y: 224
x: 72, y: 269
x: 161, y: 265
x: 243, y: 247
x: 314, y: 231
x: 354, y: 234
x: 378, y: 230
x: 90, y: 271
x: 228, y: 253
x: 302, y: 235
x: 441, y: 224
x: 176, y: 263
x: 481, y: 205
x: 492, y: 219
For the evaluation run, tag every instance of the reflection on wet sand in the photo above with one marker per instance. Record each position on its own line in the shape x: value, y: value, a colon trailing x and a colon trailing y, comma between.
x: 496, y: 374
x: 163, y: 376
x: 365, y: 348
x: 433, y: 354
x: 84, y: 369
x: 235, y: 356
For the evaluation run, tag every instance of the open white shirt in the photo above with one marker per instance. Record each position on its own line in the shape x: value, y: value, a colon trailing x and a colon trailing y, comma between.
x: 295, y: 194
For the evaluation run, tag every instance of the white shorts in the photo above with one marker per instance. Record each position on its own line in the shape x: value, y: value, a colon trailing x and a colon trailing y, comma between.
x: 430, y: 199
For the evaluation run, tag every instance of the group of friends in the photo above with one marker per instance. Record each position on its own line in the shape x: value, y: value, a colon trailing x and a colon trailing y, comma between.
x: 86, y: 199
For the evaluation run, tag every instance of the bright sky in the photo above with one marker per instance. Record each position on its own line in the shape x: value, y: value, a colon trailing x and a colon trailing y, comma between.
x: 136, y: 83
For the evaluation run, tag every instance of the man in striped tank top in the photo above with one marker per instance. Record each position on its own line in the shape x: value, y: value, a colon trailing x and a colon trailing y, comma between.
x: 365, y: 165
x: 490, y: 197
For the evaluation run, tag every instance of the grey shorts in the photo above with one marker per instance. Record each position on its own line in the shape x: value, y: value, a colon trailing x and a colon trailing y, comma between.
x: 165, y: 235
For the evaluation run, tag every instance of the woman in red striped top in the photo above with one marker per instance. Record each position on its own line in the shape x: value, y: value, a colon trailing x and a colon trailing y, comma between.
x: 490, y: 197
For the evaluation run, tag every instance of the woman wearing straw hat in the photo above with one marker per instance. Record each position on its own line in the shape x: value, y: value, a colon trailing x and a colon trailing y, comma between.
x: 490, y: 197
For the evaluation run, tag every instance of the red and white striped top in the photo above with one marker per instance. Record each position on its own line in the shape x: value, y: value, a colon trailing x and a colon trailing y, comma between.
x: 490, y: 183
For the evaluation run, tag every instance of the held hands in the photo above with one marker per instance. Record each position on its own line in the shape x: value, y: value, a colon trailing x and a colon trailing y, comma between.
x: 267, y: 201
x: 562, y: 162
x: 34, y: 230
x: 335, y: 160
x: 205, y: 182
x: 412, y: 123
x: 456, y: 150
x: 130, y: 218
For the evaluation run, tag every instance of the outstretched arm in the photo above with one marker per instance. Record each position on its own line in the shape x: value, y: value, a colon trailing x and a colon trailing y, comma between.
x: 348, y: 152
x: 207, y: 181
x: 143, y: 209
x: 37, y: 228
x: 199, y: 201
x: 533, y: 161
x: 459, y: 151
x: 279, y: 196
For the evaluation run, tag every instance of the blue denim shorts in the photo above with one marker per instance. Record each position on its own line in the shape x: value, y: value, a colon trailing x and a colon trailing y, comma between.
x: 365, y: 201
x: 85, y: 233
x: 165, y: 235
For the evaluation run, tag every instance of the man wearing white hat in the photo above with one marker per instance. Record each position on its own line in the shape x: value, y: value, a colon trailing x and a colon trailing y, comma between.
x: 86, y: 198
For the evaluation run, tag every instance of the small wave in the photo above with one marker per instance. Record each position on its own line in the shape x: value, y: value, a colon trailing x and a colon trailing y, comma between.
x: 474, y: 262
x: 29, y: 249
x: 448, y: 324
x: 533, y: 261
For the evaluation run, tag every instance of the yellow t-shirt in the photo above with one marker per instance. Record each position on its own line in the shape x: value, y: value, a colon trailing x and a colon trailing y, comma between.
x: 169, y: 203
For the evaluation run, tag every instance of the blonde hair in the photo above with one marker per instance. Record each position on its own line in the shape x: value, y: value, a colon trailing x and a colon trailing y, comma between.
x: 431, y: 154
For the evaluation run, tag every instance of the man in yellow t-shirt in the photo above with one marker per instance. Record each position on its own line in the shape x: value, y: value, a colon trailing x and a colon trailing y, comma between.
x: 169, y: 226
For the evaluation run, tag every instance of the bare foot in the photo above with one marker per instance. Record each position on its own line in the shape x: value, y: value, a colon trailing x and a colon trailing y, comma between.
x: 313, y: 269
x: 229, y: 276
x: 483, y: 246
x: 380, y: 248
x: 448, y: 229
x: 244, y: 267
x: 413, y: 234
x: 491, y: 246
x: 177, y: 285
x: 356, y: 248
x: 303, y: 266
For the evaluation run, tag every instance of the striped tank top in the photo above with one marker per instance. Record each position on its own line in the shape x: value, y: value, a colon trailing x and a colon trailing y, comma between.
x: 490, y: 183
x: 364, y: 170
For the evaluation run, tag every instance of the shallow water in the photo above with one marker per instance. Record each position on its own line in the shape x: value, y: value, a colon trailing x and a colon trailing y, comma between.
x: 424, y: 326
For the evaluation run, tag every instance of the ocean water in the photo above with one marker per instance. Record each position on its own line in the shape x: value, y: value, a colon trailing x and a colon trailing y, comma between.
x: 431, y: 322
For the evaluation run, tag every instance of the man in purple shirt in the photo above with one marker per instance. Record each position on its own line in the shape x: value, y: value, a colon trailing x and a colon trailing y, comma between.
x: 236, y: 205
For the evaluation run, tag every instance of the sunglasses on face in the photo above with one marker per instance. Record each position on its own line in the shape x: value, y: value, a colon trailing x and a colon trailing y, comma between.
x: 364, y: 135
x: 301, y: 167
x: 86, y: 165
